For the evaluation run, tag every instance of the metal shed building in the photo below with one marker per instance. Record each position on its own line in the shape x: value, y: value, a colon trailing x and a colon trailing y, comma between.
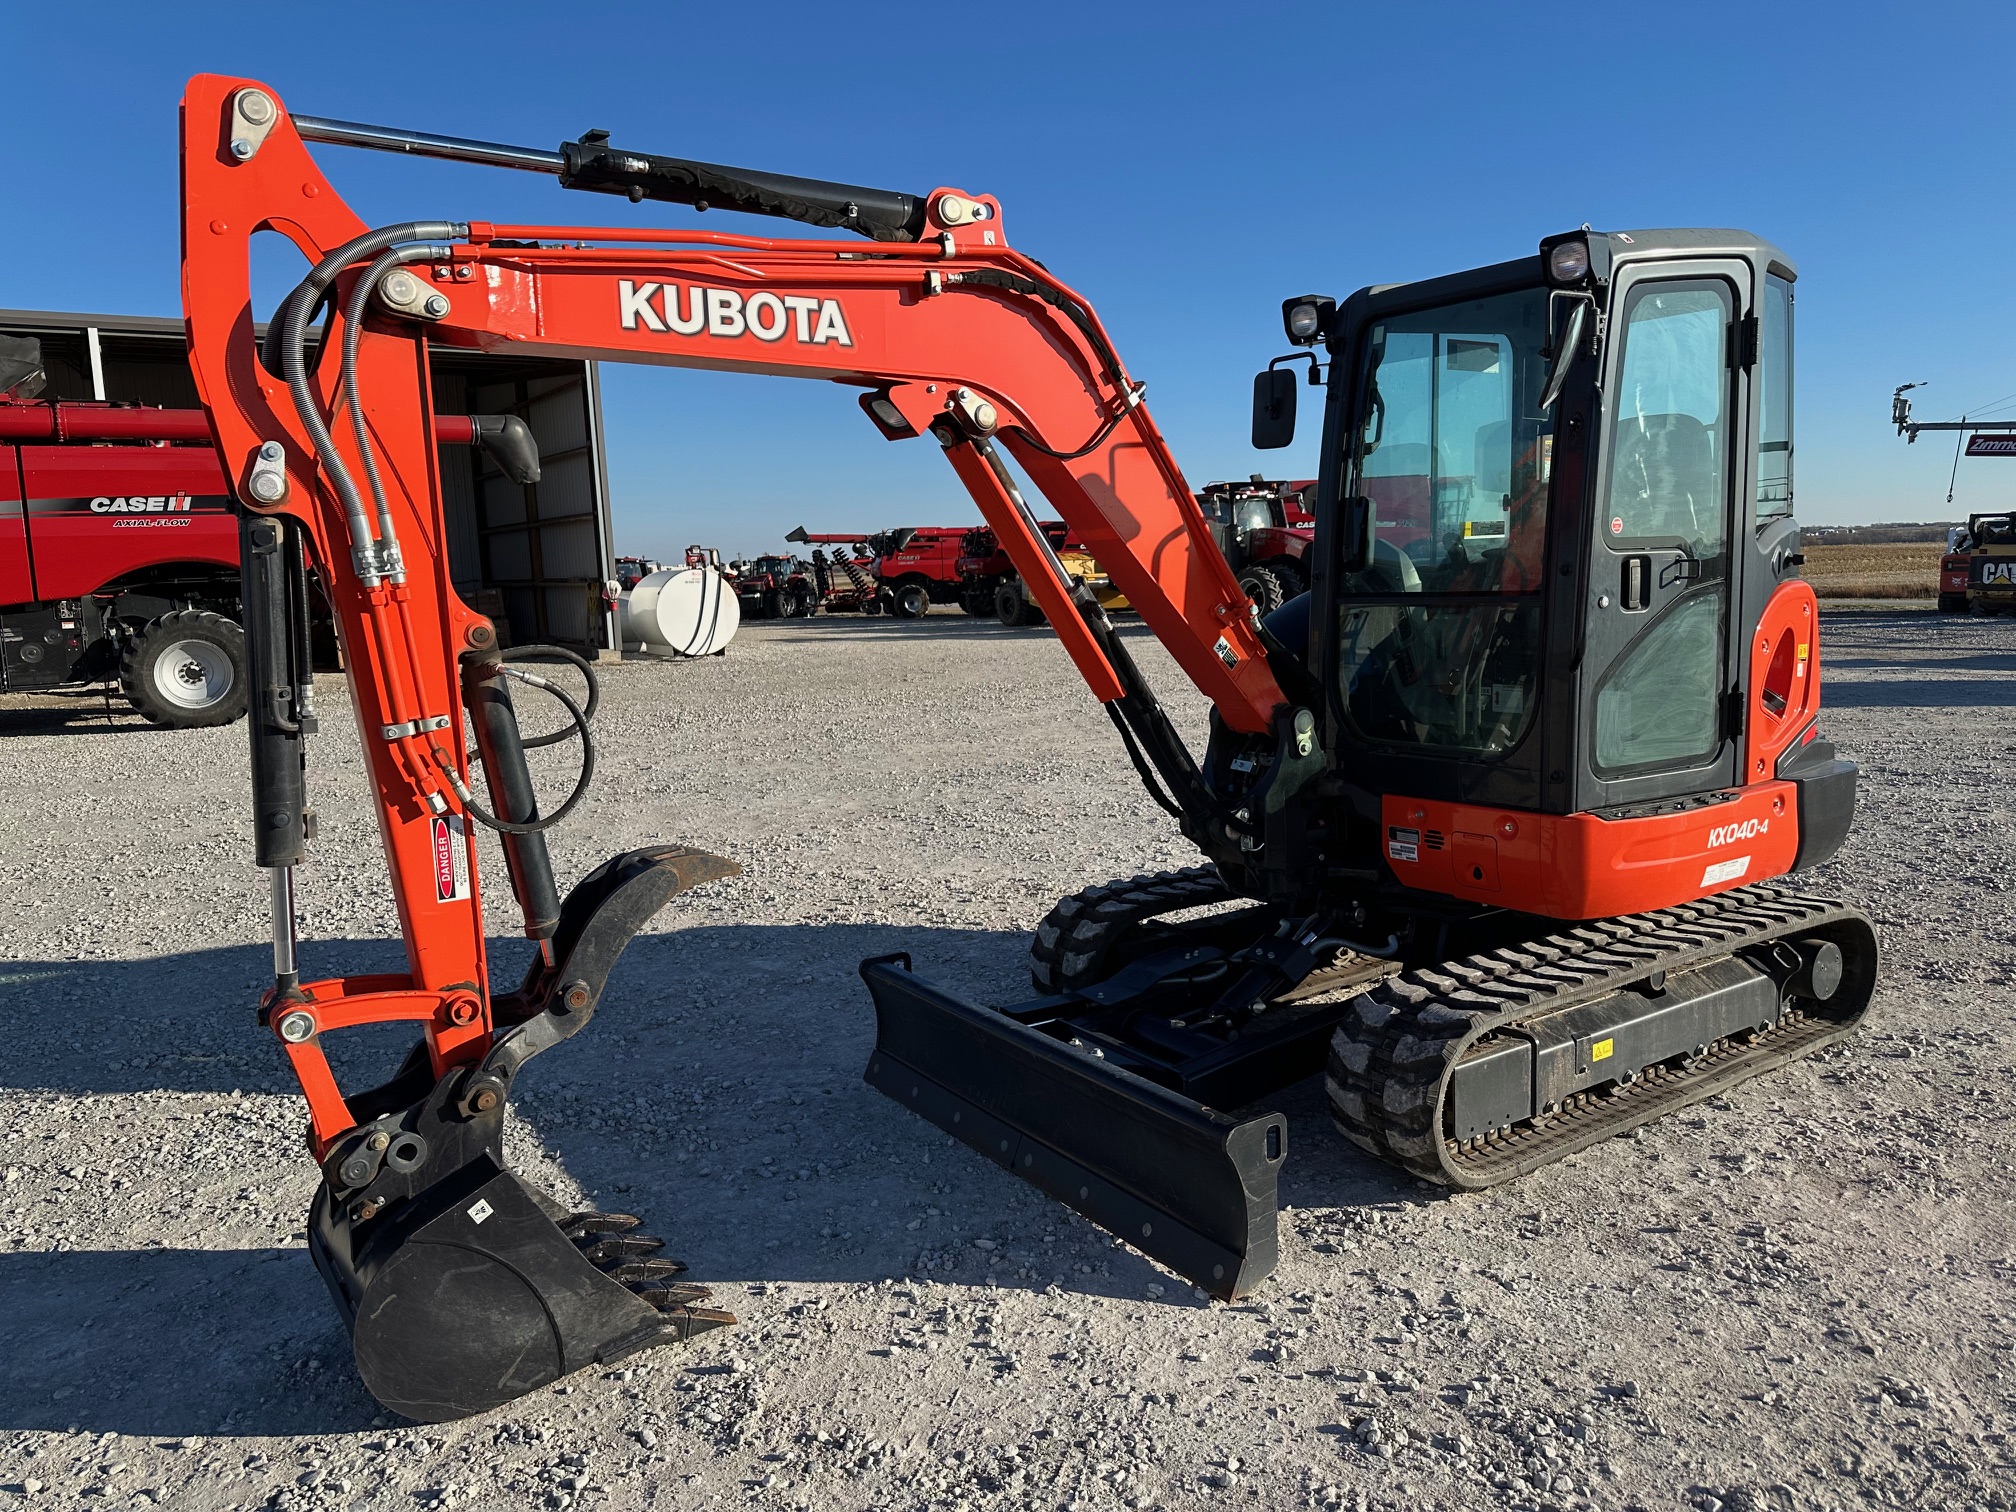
x: 539, y: 554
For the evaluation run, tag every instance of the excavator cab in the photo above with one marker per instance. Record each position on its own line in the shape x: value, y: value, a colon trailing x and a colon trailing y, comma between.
x: 1556, y: 501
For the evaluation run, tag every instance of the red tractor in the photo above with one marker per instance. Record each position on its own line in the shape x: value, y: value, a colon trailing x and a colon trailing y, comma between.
x: 774, y: 587
x: 1257, y: 526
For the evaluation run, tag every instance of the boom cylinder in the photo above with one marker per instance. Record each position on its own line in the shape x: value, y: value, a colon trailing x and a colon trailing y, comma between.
x: 279, y: 714
x: 488, y: 694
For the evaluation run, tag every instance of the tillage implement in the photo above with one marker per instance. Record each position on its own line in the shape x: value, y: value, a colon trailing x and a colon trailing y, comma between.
x: 1493, y: 819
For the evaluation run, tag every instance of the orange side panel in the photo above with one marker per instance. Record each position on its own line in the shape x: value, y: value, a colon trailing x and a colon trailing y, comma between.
x: 1579, y: 866
x: 1784, y: 677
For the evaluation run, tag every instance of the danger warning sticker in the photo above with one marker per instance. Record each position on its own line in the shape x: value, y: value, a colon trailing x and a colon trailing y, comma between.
x: 451, y: 859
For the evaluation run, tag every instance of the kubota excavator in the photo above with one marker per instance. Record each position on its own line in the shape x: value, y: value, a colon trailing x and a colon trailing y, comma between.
x: 1499, y: 804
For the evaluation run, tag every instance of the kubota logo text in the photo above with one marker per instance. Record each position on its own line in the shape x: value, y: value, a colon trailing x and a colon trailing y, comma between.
x: 141, y: 504
x: 1729, y: 834
x: 722, y: 312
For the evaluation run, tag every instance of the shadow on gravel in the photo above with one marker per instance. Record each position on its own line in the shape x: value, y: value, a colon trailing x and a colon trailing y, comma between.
x: 174, y: 1342
x: 718, y: 1095
x: 1918, y: 693
x: 75, y: 714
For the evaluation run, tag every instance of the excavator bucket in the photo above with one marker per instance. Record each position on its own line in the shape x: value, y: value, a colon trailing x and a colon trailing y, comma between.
x: 1182, y: 1183
x: 463, y: 1286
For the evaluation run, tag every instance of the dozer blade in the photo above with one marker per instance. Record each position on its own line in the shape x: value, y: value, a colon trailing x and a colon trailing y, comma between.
x: 1178, y: 1181
x: 463, y: 1286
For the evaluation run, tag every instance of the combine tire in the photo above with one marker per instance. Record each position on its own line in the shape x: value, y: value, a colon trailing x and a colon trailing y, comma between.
x: 910, y: 601
x: 1013, y: 610
x: 1263, y: 585
x: 186, y: 670
x: 872, y: 605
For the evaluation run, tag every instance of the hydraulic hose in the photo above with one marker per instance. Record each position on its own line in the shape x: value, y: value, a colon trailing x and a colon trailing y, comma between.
x: 580, y: 664
x: 353, y: 332
x: 539, y: 826
x: 294, y: 368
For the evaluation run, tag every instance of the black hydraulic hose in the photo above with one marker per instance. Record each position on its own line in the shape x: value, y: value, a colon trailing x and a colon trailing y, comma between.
x: 580, y: 664
x: 1078, y: 315
x: 1141, y: 766
x: 489, y: 820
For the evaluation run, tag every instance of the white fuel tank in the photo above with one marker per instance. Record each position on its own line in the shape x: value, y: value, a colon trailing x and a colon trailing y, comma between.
x: 680, y: 611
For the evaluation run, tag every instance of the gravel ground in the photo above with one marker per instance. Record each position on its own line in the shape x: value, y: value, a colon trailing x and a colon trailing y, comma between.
x: 1797, y: 1296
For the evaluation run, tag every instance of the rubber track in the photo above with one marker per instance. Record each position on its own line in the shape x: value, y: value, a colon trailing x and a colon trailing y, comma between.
x: 1069, y: 941
x: 1392, y: 1057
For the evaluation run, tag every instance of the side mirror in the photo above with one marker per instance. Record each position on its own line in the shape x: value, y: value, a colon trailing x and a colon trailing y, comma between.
x: 1273, y: 409
x: 1565, y: 354
x: 1354, y: 516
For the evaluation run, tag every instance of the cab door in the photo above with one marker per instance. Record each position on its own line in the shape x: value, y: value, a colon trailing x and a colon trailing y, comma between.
x: 1657, y: 718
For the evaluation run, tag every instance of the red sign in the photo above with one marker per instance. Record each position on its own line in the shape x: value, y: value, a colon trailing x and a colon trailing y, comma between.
x: 1991, y: 446
x: 444, y: 861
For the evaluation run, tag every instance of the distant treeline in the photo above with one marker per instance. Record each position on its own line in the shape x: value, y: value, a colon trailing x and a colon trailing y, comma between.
x: 1907, y: 533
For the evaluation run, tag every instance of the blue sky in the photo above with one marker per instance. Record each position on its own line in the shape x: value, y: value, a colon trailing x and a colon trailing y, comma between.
x: 1186, y: 167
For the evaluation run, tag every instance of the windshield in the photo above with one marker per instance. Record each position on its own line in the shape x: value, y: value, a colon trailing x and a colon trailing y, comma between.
x: 1441, y: 634
x: 1453, y: 451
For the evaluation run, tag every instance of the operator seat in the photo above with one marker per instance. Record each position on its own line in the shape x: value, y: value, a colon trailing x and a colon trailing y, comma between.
x: 1665, y: 481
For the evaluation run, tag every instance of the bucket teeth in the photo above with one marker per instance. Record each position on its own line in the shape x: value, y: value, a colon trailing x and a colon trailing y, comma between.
x: 631, y: 1271
x: 618, y: 1247
x: 689, y: 1322
x: 581, y: 1224
x: 664, y: 1296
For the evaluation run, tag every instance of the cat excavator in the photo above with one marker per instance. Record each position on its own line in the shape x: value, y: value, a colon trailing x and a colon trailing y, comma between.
x: 1494, y: 821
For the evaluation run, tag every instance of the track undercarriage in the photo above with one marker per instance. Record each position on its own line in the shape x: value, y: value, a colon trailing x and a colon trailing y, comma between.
x: 1109, y: 1091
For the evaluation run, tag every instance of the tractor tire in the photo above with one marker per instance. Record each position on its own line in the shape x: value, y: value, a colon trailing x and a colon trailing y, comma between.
x: 910, y: 601
x: 1015, y: 611
x: 1264, y: 586
x: 186, y: 670
x: 773, y: 604
x: 802, y: 604
x: 1294, y: 582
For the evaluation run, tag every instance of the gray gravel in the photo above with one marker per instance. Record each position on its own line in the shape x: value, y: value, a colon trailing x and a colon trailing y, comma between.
x: 1794, y: 1297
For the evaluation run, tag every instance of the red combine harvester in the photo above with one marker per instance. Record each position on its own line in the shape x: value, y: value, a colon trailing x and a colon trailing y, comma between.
x: 916, y: 565
x: 119, y: 550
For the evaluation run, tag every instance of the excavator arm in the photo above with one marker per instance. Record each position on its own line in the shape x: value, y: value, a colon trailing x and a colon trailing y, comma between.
x: 326, y: 426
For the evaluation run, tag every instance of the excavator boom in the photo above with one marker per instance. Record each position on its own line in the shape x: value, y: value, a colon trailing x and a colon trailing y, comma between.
x: 943, y: 329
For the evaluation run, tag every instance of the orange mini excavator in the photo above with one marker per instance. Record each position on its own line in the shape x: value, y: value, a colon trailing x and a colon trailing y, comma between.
x: 1491, y: 817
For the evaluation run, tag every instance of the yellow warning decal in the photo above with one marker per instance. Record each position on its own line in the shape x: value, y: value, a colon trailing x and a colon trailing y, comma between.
x: 1804, y: 650
x: 1601, y: 1049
